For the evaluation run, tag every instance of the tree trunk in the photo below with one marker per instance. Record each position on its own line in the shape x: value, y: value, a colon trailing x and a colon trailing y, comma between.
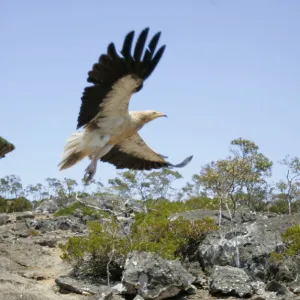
x: 5, y: 147
x: 290, y: 208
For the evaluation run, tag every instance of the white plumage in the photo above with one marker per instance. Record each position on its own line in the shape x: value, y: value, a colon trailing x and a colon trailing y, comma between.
x: 110, y: 132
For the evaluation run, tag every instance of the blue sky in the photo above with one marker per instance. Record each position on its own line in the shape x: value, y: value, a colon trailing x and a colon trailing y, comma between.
x: 231, y: 69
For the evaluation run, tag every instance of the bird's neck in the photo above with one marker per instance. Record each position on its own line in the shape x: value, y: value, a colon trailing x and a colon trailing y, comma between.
x: 138, y: 119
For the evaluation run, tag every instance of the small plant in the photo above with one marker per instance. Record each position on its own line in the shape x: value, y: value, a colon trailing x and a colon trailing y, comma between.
x: 33, y: 232
x: 86, y: 211
x: 14, y: 205
x: 107, y: 244
x: 291, y: 238
x: 102, y: 247
x: 202, y: 203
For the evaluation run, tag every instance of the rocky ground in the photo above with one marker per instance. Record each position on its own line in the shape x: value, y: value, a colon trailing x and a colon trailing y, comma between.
x: 31, y: 267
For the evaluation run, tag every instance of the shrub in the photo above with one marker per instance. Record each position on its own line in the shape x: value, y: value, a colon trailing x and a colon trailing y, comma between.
x: 68, y: 211
x: 202, y: 202
x: 33, y: 232
x: 14, y: 205
x: 102, y: 247
x: 154, y: 232
x: 291, y: 238
x: 279, y: 206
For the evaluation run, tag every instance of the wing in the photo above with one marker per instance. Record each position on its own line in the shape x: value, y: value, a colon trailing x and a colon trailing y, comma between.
x: 116, y: 77
x: 135, y: 154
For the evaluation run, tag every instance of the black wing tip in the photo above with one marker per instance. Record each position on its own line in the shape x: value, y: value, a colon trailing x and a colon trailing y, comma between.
x: 183, y: 163
x: 142, y: 64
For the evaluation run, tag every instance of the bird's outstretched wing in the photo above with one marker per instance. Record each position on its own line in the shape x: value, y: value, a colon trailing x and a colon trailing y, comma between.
x: 116, y: 77
x: 135, y: 154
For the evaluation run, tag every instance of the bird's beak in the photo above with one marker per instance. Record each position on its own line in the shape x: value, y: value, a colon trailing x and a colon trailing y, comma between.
x: 163, y: 115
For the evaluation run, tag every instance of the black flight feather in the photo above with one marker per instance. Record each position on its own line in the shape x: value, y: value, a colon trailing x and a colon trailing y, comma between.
x: 123, y: 160
x: 111, y: 67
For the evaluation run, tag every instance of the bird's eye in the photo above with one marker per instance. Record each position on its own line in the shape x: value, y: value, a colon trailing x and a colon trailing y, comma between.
x: 154, y: 113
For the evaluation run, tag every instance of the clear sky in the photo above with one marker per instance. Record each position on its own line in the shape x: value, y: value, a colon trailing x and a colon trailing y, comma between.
x: 231, y: 69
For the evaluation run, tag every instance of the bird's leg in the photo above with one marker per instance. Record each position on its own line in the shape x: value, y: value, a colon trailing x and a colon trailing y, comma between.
x: 91, y: 169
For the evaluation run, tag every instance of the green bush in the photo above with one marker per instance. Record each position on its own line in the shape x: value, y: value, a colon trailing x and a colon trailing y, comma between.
x: 68, y: 211
x: 153, y: 232
x: 280, y: 206
x: 15, y: 205
x: 101, y: 247
x: 202, y: 203
x: 33, y: 232
x: 291, y: 238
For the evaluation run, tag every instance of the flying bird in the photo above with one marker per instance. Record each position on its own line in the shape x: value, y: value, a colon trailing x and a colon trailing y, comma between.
x: 110, y: 131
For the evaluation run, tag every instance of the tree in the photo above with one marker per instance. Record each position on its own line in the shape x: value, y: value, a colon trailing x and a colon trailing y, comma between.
x: 221, y: 179
x: 194, y: 189
x: 53, y: 186
x: 131, y: 184
x: 5, y: 147
x: 290, y: 187
x: 11, y: 186
x: 160, y: 183
x: 70, y: 185
x: 257, y: 168
x: 32, y: 191
x: 144, y: 185
x: 4, y: 187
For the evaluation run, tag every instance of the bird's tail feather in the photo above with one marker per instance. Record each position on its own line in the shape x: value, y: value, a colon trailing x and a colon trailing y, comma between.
x: 72, y: 153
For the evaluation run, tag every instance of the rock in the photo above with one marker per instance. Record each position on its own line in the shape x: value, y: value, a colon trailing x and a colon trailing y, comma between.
x: 45, y: 225
x: 87, y: 218
x: 198, y: 214
x: 62, y: 223
x: 117, y: 297
x: 47, y: 206
x: 153, y: 277
x: 296, y: 290
x: 191, y: 290
x: 230, y: 281
x: 37, y: 275
x: 5, y: 219
x: 115, y: 203
x: 50, y: 242
x: 24, y: 295
x: 121, y: 289
x: 24, y: 215
x: 246, y: 216
x: 274, y: 286
x: 255, y: 242
x: 138, y: 297
x: 258, y: 285
x: 83, y: 287
x: 78, y: 213
x: 65, y: 223
x: 263, y: 295
x: 286, y: 270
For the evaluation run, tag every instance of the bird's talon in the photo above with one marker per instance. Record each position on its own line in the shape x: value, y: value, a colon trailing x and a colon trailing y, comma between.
x: 89, y: 173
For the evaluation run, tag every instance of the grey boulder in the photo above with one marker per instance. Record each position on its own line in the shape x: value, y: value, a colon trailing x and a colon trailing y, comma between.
x: 230, y: 281
x: 152, y: 277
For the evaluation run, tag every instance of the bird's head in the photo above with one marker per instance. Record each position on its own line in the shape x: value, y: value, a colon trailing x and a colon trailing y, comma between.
x: 150, y: 115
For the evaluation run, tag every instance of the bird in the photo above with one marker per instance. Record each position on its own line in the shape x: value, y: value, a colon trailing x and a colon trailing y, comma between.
x: 111, y: 132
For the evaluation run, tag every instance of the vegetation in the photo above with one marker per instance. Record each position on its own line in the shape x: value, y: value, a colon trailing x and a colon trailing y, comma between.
x: 153, y: 231
x: 15, y: 205
x: 33, y: 232
x: 86, y: 211
x: 5, y: 147
x: 239, y: 180
x: 291, y: 239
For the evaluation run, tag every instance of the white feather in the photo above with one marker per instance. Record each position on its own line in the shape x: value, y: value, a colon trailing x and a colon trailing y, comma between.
x: 93, y: 141
x: 72, y: 145
x: 116, y: 101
